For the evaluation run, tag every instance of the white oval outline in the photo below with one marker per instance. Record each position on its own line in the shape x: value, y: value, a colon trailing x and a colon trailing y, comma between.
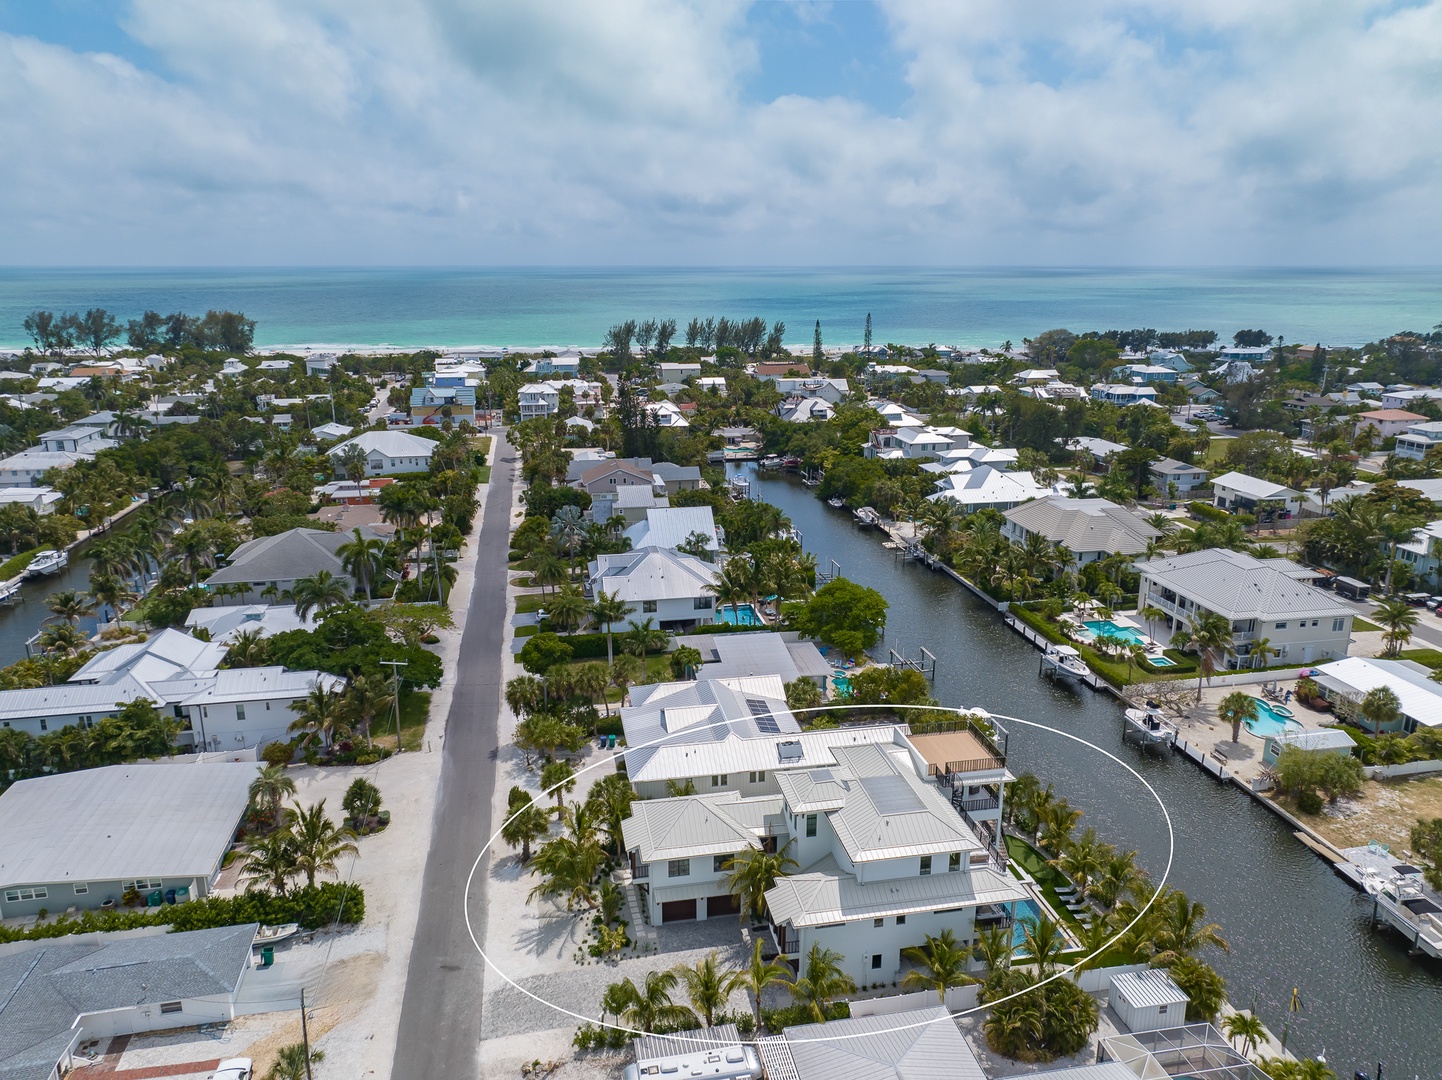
x: 1161, y: 883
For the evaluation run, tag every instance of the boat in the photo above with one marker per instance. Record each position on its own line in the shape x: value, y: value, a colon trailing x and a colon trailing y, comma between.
x: 1064, y: 662
x: 770, y: 462
x: 269, y: 935
x: 46, y: 563
x: 740, y: 487
x: 1148, y: 724
x: 866, y: 515
x: 836, y: 502
x: 10, y: 593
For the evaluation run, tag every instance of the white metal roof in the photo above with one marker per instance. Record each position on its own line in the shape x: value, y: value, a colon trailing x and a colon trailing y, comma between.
x: 122, y: 821
x: 1420, y: 697
x: 693, y: 826
x: 1085, y: 524
x: 1240, y: 586
x: 653, y: 574
x: 671, y: 526
x: 677, y: 759
x: 392, y: 444
x: 1148, y: 989
x: 824, y: 893
x: 871, y: 1048
x: 1252, y: 487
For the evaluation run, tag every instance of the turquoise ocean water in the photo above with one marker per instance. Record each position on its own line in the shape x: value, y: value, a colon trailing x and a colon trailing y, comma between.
x: 411, y: 307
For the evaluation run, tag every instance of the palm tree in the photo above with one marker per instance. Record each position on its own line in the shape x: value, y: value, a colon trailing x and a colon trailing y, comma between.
x: 649, y: 1006
x: 290, y: 1062
x: 320, y: 592
x: 590, y: 681
x: 1117, y: 877
x: 363, y: 558
x: 318, y: 843
x: 754, y: 872
x: 558, y: 778
x: 1236, y: 709
x: 567, y: 608
x: 352, y: 462
x: 941, y: 964
x: 1381, y: 706
x: 70, y: 605
x: 1180, y: 929
x: 1151, y: 615
x: 525, y: 694
x: 1082, y: 858
x: 1261, y: 650
x: 1400, y: 619
x: 1210, y: 635
x: 62, y: 640
x: 525, y: 824
x: 111, y: 592
x: 364, y: 700
x: 568, y: 528
x: 626, y: 671
x: 247, y: 649
x: 735, y: 582
x: 708, y: 986
x: 270, y: 861
x: 759, y: 974
x: 607, y: 610
x: 644, y: 637
x: 548, y: 569
x: 568, y: 865
x: 1245, y: 1026
x: 1042, y: 940
x: 269, y: 789
x: 823, y: 982
x: 320, y: 711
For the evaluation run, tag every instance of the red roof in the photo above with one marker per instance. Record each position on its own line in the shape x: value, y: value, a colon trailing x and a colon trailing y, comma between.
x: 1390, y: 414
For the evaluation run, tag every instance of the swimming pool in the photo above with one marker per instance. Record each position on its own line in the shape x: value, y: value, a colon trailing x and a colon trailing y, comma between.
x: 740, y: 615
x: 1107, y: 628
x: 1026, y: 909
x: 1271, y: 720
x: 1161, y: 661
x: 841, y: 681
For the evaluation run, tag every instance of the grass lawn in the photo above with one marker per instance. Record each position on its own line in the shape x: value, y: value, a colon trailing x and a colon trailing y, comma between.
x: 1363, y: 626
x: 530, y: 603
x: 485, y: 473
x: 1045, y: 875
x: 415, y: 708
x: 526, y: 631
x: 658, y: 669
x: 1431, y: 658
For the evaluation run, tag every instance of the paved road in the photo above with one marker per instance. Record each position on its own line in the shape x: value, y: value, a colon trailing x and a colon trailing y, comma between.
x: 1426, y: 635
x: 441, y: 1012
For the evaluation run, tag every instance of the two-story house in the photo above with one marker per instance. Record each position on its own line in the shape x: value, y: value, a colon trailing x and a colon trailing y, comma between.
x: 1124, y: 394
x: 1238, y: 491
x: 1169, y: 471
x: 1267, y: 599
x: 432, y: 405
x: 1418, y: 439
x: 661, y: 584
x: 915, y: 443
x: 544, y: 398
x: 1091, y: 529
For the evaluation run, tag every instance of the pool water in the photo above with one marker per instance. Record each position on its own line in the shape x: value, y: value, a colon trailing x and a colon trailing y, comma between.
x: 1025, y: 909
x: 1161, y: 661
x: 1107, y: 628
x: 1270, y: 722
x: 842, y: 682
x: 740, y: 615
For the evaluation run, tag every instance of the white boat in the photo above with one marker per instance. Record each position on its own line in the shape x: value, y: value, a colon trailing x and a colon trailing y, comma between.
x: 836, y: 502
x: 770, y: 462
x: 1064, y: 662
x: 269, y: 935
x: 10, y: 594
x: 740, y: 487
x: 1148, y: 724
x: 46, y: 563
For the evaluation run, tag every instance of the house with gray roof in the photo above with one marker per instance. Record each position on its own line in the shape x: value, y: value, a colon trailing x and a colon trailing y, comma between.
x: 672, y: 588
x: 1238, y: 491
x: 277, y: 562
x: 64, y: 992
x: 1267, y: 599
x: 388, y: 452
x: 80, y: 839
x: 785, y: 655
x: 1170, y: 471
x: 920, y: 1044
x: 672, y: 526
x: 1091, y: 529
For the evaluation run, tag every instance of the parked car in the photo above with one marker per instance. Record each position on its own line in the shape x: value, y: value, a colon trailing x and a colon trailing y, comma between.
x: 1416, y: 599
x: 233, y: 1069
x: 1432, y: 603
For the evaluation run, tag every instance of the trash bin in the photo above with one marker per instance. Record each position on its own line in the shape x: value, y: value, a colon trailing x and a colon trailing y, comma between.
x: 170, y: 896
x: 267, y: 955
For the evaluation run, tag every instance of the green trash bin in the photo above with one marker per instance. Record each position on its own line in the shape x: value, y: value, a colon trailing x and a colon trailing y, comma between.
x: 267, y: 955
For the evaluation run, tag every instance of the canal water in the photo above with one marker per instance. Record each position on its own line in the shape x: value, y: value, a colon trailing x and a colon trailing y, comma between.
x: 1290, y: 920
x: 20, y: 622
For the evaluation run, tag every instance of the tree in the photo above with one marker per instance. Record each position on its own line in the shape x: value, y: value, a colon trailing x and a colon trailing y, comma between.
x: 1210, y: 635
x: 1235, y: 709
x: 802, y: 694
x: 317, y: 843
x: 62, y: 640
x: 70, y: 605
x: 817, y: 356
x: 525, y: 824
x: 568, y: 607
x: 823, y: 982
x: 940, y: 964
x: 247, y: 649
x: 363, y: 558
x: 320, y: 712
x: 607, y: 610
x: 1180, y: 929
x: 558, y: 778
x: 866, y: 336
x: 352, y: 462
x: 364, y: 699
x: 1205, y: 989
x: 542, y: 652
x: 843, y: 614
x: 685, y: 662
x: 708, y: 986
x: 1245, y: 1026
x: 290, y: 1063
x: 269, y: 789
x: 1426, y: 841
x: 319, y: 592
x: 361, y: 801
x: 644, y: 637
x: 97, y: 328
x: 757, y: 975
x: 751, y: 874
x: 1381, y: 707
x: 649, y: 1006
x: 568, y: 528
x: 1399, y: 619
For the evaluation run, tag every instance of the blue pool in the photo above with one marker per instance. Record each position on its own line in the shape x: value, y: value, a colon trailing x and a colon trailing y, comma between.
x: 1107, y: 628
x: 1271, y: 720
x: 1025, y: 909
x: 740, y: 615
x: 841, y: 681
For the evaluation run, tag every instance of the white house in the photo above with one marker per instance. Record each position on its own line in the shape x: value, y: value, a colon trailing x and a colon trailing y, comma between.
x: 672, y: 588
x: 566, y: 367
x: 1262, y: 598
x: 40, y: 499
x: 76, y: 439
x: 1388, y: 422
x: 388, y: 452
x: 1033, y: 376
x: 803, y: 410
x: 30, y: 466
x: 671, y: 526
x: 1170, y: 471
x: 1238, y: 491
x: 1420, y: 698
x: 1101, y: 451
x: 1124, y: 394
x: 833, y: 391
x: 915, y: 443
x: 667, y: 414
x: 988, y: 486
x: 544, y: 398
x: 1091, y: 529
x: 1401, y: 397
x: 1149, y: 373
x: 1418, y: 439
x: 679, y: 372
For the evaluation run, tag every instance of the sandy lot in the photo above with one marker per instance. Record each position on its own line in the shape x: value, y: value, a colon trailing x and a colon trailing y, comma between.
x: 1386, y: 810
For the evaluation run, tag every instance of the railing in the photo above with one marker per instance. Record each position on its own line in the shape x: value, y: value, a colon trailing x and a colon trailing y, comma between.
x: 990, y: 763
x: 973, y: 806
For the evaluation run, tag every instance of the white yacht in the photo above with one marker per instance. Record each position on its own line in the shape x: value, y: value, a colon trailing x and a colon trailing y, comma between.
x: 46, y: 563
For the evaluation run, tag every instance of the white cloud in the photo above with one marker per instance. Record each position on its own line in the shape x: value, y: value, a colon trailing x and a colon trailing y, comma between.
x: 335, y: 131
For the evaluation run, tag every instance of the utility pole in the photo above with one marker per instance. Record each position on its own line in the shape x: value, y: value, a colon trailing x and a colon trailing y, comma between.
x: 395, y: 666
x: 305, y: 1035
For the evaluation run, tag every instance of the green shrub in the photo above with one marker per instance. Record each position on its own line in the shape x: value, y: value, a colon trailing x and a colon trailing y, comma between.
x: 1309, y: 802
x: 277, y: 753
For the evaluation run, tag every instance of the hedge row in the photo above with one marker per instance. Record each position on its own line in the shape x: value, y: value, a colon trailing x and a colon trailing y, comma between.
x: 312, y: 906
x: 1208, y: 512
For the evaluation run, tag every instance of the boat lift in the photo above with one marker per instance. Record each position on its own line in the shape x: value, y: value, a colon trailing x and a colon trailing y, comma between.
x: 925, y: 663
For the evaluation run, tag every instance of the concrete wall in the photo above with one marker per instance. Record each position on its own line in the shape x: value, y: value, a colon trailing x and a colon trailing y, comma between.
x: 221, y: 728
x: 958, y: 998
x: 859, y: 942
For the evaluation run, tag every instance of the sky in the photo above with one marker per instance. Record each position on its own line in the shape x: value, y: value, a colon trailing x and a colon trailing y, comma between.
x: 660, y: 132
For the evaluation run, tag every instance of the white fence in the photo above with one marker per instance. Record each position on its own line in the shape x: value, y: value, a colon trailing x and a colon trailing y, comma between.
x: 1410, y: 768
x: 961, y: 998
x: 1096, y: 980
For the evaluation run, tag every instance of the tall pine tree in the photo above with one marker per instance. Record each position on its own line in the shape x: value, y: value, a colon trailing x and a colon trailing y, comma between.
x: 866, y: 339
x: 816, y: 346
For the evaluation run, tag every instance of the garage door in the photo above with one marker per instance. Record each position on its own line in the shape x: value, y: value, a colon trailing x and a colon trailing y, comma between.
x: 678, y: 910
x: 729, y: 904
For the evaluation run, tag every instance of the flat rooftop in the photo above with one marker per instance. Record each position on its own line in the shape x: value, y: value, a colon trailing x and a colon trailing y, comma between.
x: 953, y: 751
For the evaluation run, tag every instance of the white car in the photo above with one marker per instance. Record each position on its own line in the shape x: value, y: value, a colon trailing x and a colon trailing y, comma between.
x: 233, y: 1069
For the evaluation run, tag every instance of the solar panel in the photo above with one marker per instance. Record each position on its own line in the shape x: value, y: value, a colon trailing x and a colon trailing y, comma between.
x: 765, y: 722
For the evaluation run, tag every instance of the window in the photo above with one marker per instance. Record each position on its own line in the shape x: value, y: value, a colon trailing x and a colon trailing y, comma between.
x: 1337, y: 625
x: 1281, y: 626
x: 720, y: 781
x: 718, y: 863
x: 875, y: 961
x: 38, y: 892
x: 878, y: 922
x: 701, y: 603
x: 810, y: 824
x: 953, y: 862
x: 44, y: 725
x: 901, y: 920
x: 1161, y: 1010
x: 757, y: 777
x: 141, y: 884
x: 678, y: 868
x: 81, y: 888
x: 925, y: 865
x: 169, y: 1007
x: 648, y: 605
x: 240, y: 712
